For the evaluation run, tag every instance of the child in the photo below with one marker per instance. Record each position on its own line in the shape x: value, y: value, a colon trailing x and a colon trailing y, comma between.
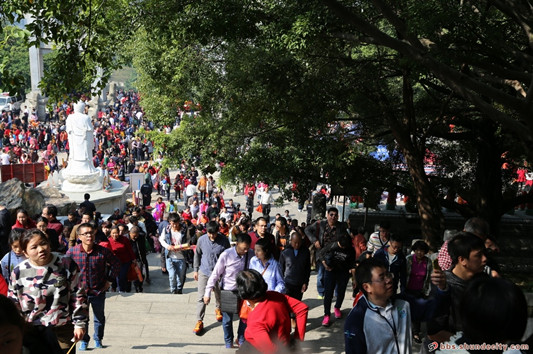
x: 392, y: 256
x: 419, y: 270
x: 15, y: 256
x: 63, y: 240
x: 45, y: 289
x: 186, y: 214
x: 171, y: 208
x: 287, y: 216
x: 159, y: 209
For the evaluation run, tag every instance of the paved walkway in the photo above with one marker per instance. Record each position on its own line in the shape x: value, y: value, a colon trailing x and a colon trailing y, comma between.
x: 158, y: 322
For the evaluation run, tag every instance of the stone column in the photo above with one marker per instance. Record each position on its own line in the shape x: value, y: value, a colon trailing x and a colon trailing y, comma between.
x: 34, y: 98
x: 36, y: 68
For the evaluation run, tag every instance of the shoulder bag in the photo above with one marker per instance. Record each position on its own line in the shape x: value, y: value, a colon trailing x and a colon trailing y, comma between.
x: 229, y: 299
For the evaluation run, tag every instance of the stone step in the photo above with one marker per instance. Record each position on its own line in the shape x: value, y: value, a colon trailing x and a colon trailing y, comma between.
x: 159, y: 322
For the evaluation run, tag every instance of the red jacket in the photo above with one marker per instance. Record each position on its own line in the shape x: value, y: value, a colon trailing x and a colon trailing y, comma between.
x: 269, y: 324
x: 120, y: 248
x: 30, y: 222
x: 3, y: 286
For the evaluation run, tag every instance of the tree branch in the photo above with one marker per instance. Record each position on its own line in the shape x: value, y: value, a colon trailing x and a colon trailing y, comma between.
x: 459, y: 82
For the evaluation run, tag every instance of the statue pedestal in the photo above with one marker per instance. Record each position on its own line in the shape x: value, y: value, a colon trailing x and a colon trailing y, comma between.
x: 106, y: 201
x: 86, y: 182
x: 80, y: 176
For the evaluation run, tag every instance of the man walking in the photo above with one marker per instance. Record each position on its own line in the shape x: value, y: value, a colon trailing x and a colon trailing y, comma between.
x: 228, y: 266
x: 261, y: 231
x: 266, y: 200
x: 321, y: 234
x: 98, y: 267
x: 176, y: 241
x: 208, y: 249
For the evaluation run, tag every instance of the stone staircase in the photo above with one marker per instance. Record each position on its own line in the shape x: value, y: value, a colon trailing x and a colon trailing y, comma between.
x: 159, y: 322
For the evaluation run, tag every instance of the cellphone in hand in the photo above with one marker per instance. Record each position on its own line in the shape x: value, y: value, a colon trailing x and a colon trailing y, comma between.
x: 436, y: 265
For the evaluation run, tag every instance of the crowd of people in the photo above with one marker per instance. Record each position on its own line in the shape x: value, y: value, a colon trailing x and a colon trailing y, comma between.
x: 26, y: 139
x: 257, y: 269
x: 266, y: 264
x: 397, y: 292
x: 99, y: 255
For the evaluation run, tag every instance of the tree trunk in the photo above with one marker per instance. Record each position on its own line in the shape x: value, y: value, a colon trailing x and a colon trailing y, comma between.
x: 488, y: 189
x: 429, y: 209
x: 404, y: 131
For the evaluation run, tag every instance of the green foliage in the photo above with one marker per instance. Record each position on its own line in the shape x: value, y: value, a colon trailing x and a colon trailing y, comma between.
x: 15, y: 64
x: 302, y: 91
x: 268, y: 111
x: 84, y: 35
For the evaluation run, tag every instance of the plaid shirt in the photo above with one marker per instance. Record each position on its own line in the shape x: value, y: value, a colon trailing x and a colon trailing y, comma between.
x: 445, y: 261
x: 96, y: 268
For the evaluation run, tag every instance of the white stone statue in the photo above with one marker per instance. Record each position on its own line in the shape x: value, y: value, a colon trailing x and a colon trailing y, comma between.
x: 80, y: 175
x: 80, y: 137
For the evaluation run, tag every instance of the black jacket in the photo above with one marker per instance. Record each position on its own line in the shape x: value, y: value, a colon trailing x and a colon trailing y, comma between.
x: 340, y: 259
x: 316, y: 230
x: 5, y: 229
x: 296, y: 270
x: 447, y: 313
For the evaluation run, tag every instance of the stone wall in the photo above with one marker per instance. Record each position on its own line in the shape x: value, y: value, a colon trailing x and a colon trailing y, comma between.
x: 515, y: 236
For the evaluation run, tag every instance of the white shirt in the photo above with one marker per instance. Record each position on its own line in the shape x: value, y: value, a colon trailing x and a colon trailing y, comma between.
x: 226, y: 216
x: 139, y: 224
x: 176, y: 241
x: 4, y: 158
x: 266, y: 197
x: 190, y: 190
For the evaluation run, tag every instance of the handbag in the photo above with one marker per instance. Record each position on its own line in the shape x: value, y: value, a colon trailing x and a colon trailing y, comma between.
x: 134, y: 273
x: 259, y: 208
x: 229, y: 301
x: 245, y: 310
